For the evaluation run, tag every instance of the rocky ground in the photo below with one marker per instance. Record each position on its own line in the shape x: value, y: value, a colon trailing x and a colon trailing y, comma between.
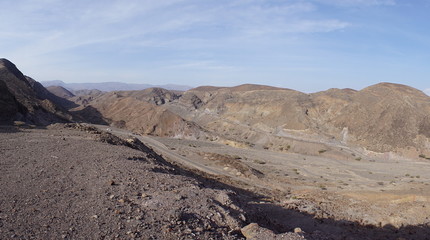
x: 75, y: 182
x: 71, y: 181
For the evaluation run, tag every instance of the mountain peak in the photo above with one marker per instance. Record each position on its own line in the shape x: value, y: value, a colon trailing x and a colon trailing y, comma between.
x: 9, y: 66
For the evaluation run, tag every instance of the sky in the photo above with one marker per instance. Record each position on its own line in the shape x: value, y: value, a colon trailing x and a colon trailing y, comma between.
x: 306, y: 45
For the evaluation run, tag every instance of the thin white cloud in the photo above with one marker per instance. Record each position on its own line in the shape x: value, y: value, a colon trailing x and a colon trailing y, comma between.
x: 427, y: 91
x: 202, y: 66
x: 348, y: 3
x: 319, y: 26
x: 47, y: 32
x: 59, y: 26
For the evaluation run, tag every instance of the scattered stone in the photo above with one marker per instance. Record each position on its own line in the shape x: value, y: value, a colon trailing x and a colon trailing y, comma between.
x: 254, y: 232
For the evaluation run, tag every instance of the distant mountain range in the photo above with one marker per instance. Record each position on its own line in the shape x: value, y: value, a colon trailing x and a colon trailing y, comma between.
x: 384, y: 117
x: 112, y: 86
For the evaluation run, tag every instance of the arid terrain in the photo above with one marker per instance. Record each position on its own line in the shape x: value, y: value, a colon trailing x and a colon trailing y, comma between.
x: 245, y: 162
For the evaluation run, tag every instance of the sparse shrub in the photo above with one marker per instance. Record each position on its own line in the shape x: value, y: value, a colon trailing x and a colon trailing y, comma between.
x: 358, y: 159
x: 422, y: 156
x: 322, y: 151
x: 381, y: 183
x: 285, y: 148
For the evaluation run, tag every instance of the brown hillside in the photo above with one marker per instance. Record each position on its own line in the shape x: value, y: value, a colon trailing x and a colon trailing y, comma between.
x: 157, y: 96
x: 259, y: 108
x: 383, y: 117
x: 130, y: 110
x: 387, y: 116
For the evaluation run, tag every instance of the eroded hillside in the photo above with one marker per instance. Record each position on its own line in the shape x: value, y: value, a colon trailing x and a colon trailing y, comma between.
x: 382, y: 118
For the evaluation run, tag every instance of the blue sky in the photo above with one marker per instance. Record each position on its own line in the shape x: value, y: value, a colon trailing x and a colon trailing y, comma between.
x: 307, y: 45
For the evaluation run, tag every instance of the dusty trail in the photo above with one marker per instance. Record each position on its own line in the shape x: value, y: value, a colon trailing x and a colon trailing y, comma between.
x: 190, y: 163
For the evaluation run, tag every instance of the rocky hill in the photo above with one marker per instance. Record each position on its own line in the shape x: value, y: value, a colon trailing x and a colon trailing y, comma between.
x: 27, y: 100
x: 384, y: 117
x: 139, y: 112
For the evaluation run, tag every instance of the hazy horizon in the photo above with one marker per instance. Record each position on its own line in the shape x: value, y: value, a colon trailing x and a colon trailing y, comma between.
x: 306, y: 45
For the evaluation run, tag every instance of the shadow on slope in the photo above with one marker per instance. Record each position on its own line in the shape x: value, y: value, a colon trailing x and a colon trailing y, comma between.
x: 90, y: 114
